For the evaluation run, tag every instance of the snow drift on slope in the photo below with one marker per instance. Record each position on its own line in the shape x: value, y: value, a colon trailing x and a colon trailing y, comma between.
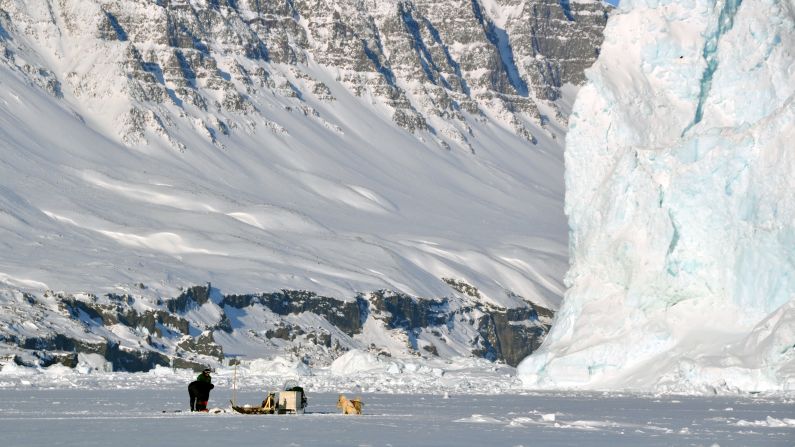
x: 681, y: 205
x: 303, y: 193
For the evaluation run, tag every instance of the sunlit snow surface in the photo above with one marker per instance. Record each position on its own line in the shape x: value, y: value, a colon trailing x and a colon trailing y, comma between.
x: 681, y: 204
x: 409, y: 405
x: 155, y: 415
x: 344, y: 202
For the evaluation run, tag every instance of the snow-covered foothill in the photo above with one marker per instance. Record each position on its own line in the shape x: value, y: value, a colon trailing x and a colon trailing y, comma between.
x: 681, y: 205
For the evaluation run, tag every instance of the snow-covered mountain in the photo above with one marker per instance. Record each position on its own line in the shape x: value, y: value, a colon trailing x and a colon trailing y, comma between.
x: 679, y: 194
x: 395, y: 162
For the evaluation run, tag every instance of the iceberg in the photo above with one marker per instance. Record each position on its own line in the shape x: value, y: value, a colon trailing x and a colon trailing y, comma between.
x: 680, y: 198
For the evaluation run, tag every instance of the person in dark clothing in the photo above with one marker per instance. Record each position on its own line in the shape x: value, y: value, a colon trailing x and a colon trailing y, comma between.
x: 199, y: 391
x: 205, y: 376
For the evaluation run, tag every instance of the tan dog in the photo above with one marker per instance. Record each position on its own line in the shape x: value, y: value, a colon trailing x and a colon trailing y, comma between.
x: 353, y: 406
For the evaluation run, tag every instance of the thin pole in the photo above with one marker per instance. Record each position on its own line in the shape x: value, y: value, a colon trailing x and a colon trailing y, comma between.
x: 234, y: 387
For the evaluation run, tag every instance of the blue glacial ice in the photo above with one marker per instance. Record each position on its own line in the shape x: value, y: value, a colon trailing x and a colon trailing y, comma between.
x: 681, y: 205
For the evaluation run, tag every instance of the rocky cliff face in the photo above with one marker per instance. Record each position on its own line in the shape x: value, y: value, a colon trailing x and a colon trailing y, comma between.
x: 434, y: 66
x: 134, y: 334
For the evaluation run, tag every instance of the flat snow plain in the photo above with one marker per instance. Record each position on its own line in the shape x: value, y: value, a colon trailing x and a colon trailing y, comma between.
x: 128, y: 417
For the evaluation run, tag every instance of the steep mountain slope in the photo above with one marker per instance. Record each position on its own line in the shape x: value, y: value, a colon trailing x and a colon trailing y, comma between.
x: 338, y: 147
x: 679, y: 193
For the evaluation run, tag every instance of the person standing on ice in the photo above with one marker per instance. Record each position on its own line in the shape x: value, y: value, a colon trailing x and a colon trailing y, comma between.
x: 199, y: 391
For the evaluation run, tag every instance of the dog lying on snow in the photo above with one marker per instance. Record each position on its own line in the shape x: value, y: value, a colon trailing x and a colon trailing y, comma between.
x: 353, y: 406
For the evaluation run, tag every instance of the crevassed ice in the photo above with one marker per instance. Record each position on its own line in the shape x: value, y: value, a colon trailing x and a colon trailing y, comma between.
x: 681, y: 205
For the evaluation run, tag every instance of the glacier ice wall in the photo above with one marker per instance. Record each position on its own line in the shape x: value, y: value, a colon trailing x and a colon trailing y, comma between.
x: 680, y: 197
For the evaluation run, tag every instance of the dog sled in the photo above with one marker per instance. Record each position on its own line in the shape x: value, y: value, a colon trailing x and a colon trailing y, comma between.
x: 291, y: 400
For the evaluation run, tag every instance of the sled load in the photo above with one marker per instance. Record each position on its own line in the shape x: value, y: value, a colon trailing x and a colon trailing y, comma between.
x: 291, y: 400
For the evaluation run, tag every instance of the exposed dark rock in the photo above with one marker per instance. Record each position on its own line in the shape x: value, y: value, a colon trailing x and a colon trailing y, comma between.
x: 204, y: 344
x: 122, y: 359
x: 506, y: 334
x: 193, y: 297
x: 431, y: 349
x: 181, y: 363
x: 224, y: 325
x: 319, y: 338
x: 510, y: 334
x: 554, y: 41
x: 402, y: 311
x: 421, y: 58
x: 462, y: 287
x: 285, y: 332
x: 60, y: 342
x: 503, y: 334
x: 134, y: 360
x: 344, y: 315
x: 102, y: 314
x: 119, y: 313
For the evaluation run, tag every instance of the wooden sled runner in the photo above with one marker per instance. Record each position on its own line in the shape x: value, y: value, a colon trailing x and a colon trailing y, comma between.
x: 268, y: 406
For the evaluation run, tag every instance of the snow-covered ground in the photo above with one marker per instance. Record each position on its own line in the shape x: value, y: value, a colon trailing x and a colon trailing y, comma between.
x: 146, y: 416
x: 469, y: 402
